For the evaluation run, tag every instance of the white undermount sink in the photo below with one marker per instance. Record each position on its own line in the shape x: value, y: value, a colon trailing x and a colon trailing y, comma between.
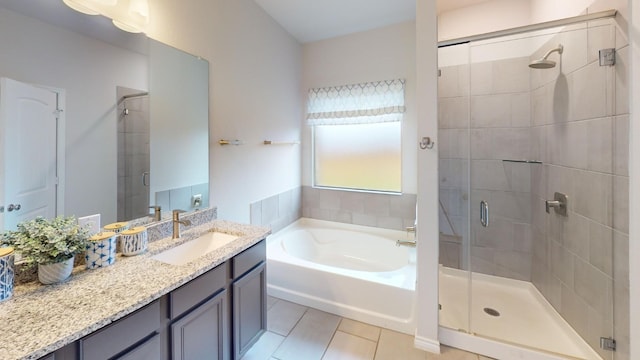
x: 195, y: 248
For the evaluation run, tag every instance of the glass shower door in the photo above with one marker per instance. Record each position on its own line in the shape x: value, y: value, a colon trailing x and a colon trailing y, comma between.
x: 542, y: 189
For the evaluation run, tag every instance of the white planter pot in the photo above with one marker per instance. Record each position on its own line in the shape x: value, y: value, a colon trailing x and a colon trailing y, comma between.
x: 55, y: 273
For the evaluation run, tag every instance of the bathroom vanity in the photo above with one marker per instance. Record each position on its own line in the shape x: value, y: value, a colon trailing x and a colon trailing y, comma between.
x: 141, y: 308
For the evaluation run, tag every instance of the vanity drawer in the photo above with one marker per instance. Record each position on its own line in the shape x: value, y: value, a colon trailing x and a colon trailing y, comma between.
x: 122, y: 334
x: 249, y: 258
x: 197, y: 290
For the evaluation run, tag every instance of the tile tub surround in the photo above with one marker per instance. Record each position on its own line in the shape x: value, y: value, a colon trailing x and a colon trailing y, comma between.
x: 278, y: 211
x: 63, y: 313
x: 388, y: 211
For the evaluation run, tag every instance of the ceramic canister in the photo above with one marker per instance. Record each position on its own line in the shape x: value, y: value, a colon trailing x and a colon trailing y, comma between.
x: 6, y: 272
x: 101, y: 250
x: 134, y: 241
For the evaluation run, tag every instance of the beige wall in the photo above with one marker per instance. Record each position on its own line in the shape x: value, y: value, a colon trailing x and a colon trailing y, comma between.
x: 254, y: 80
x: 482, y: 18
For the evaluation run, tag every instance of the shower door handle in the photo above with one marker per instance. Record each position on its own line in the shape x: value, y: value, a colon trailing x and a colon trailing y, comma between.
x: 145, y: 178
x: 484, y: 213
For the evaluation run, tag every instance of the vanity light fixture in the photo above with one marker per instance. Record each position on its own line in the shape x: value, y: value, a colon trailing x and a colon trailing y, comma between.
x: 128, y: 15
x: 80, y: 6
x: 135, y: 18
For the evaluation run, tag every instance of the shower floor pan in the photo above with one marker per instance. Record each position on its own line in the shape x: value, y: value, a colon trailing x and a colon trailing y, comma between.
x: 525, y: 316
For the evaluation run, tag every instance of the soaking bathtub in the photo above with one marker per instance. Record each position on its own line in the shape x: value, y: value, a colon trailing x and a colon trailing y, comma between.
x: 353, y: 271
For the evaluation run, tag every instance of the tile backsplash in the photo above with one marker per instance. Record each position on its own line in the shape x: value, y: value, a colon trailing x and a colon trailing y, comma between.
x: 182, y: 198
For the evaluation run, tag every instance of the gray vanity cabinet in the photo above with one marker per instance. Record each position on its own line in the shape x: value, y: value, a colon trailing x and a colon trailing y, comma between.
x: 202, y: 333
x: 126, y: 338
x: 248, y: 291
x: 218, y: 315
x: 198, y: 311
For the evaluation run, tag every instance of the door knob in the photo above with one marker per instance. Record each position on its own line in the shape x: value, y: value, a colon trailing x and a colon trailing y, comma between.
x: 13, y: 207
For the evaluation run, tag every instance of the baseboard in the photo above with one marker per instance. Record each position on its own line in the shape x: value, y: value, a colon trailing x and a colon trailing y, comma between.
x: 426, y: 344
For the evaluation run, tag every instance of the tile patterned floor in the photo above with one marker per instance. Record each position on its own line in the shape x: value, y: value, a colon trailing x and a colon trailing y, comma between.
x: 297, y: 332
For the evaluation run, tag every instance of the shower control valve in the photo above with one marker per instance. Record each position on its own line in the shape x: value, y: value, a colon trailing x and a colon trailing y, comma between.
x: 559, y: 204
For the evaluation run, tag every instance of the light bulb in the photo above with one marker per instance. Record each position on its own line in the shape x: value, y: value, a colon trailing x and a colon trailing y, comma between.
x: 139, y: 10
x: 126, y: 27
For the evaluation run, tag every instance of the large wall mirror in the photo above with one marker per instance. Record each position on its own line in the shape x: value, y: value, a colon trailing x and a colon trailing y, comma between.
x: 130, y: 118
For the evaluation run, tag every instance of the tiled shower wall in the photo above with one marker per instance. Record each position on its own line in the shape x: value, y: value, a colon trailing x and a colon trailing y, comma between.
x: 575, y: 119
x: 133, y: 155
x: 580, y: 131
x: 497, y: 130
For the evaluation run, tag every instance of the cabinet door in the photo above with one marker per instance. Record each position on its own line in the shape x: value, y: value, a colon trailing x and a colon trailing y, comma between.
x: 121, y: 335
x: 149, y: 349
x: 202, y: 333
x: 249, y: 310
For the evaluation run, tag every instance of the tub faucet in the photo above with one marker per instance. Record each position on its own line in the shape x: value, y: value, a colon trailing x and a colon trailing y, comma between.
x: 177, y: 222
x: 411, y: 243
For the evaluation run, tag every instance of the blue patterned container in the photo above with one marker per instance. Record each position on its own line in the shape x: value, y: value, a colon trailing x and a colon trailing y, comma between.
x: 134, y: 241
x: 101, y: 250
x: 6, y: 273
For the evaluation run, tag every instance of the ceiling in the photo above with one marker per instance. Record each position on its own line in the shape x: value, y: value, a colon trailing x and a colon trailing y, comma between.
x: 313, y: 20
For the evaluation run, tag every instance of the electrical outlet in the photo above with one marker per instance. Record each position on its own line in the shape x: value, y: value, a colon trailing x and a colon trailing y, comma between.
x: 196, y: 201
x: 90, y: 222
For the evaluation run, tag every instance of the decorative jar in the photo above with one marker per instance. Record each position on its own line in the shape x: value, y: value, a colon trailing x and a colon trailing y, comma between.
x: 101, y: 250
x: 6, y: 272
x: 134, y: 241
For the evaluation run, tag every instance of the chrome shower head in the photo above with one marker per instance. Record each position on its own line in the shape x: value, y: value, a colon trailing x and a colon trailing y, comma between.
x: 544, y: 63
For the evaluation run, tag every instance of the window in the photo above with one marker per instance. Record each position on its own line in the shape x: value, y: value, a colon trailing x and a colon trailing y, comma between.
x: 357, y: 135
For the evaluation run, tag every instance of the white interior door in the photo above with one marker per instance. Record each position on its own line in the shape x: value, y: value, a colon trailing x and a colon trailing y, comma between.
x: 28, y: 115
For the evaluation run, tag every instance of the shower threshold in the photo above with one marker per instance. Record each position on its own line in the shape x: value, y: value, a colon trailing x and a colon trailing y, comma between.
x: 525, y: 318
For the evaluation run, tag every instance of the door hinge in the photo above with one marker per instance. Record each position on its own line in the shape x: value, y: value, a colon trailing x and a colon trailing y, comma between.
x: 57, y: 113
x: 608, y: 343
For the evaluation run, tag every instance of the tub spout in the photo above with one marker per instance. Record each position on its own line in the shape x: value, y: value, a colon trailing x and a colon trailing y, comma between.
x: 411, y: 243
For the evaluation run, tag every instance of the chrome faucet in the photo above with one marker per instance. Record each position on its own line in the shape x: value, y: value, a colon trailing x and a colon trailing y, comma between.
x: 157, y: 212
x: 177, y: 222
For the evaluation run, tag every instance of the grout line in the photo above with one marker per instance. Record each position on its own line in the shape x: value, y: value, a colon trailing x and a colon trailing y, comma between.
x: 330, y: 340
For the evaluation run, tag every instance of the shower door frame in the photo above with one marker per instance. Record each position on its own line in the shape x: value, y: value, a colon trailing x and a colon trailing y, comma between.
x: 465, y: 338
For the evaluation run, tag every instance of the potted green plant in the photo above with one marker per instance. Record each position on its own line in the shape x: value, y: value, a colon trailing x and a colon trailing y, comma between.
x: 49, y: 243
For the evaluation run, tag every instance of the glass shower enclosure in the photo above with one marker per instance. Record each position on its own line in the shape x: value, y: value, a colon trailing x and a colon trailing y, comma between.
x: 533, y: 188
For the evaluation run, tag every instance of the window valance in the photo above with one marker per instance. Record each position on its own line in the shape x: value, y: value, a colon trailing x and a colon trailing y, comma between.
x: 366, y: 103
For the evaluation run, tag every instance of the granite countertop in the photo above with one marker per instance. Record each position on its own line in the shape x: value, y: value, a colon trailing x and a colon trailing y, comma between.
x: 39, y: 319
